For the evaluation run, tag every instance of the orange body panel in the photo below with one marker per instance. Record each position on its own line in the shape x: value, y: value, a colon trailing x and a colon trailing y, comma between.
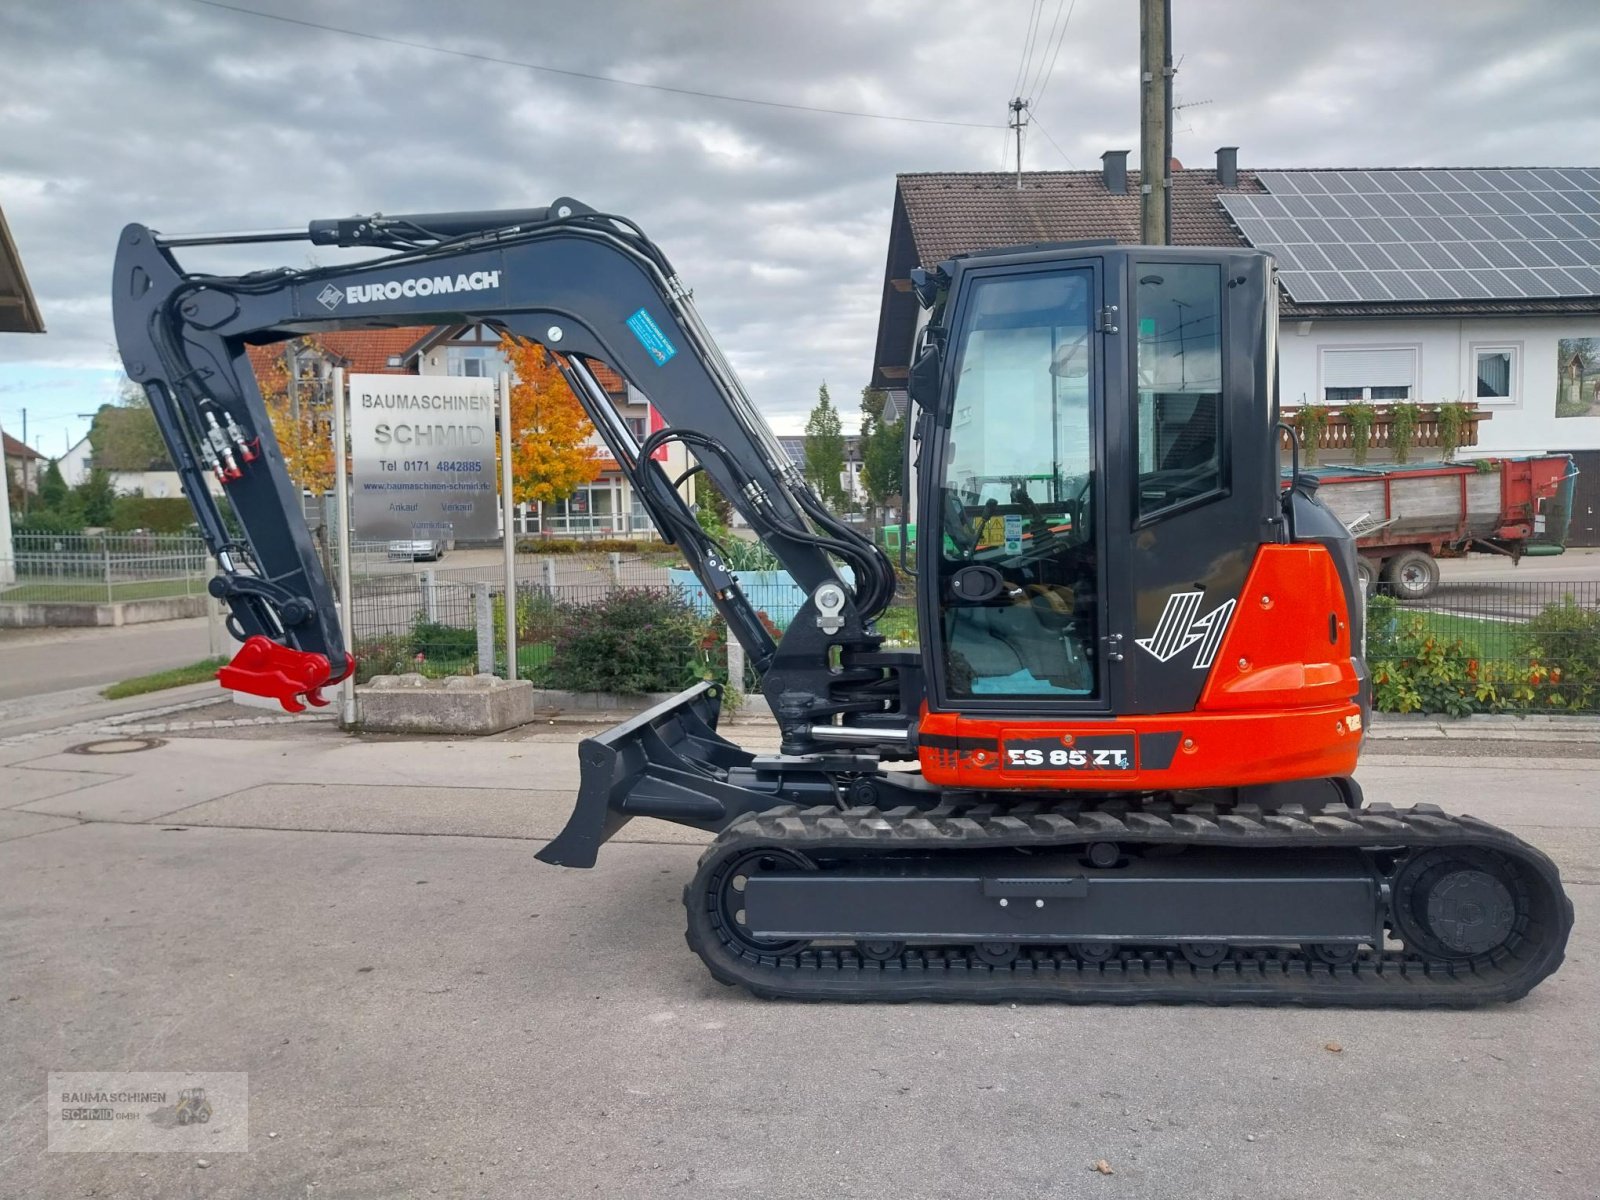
x: 1279, y: 703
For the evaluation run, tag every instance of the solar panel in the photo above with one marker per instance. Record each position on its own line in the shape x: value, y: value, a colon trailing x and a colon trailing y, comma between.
x: 1428, y: 234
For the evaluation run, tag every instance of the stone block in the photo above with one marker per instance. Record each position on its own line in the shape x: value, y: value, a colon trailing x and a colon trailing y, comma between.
x: 461, y: 704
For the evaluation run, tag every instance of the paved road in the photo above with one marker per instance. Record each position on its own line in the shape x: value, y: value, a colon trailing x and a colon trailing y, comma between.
x: 425, y: 1010
x: 36, y: 662
x: 1574, y: 565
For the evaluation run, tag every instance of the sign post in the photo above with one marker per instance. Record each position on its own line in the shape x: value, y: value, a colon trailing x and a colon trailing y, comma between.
x: 507, y: 513
x: 341, y: 504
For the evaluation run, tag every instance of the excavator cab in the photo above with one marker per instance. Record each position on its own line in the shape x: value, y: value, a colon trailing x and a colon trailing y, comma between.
x: 1099, y: 437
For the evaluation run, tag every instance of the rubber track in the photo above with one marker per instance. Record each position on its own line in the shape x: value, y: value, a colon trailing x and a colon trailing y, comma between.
x: 1388, y: 979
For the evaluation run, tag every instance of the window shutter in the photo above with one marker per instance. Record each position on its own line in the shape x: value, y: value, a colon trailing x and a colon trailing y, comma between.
x: 1369, y: 368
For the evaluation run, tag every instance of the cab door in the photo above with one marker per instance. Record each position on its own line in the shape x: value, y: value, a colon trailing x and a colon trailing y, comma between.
x: 1193, y: 421
x: 1012, y: 492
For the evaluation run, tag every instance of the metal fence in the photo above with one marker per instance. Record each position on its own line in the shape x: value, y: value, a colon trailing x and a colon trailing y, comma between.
x: 1525, y: 624
x: 101, y: 568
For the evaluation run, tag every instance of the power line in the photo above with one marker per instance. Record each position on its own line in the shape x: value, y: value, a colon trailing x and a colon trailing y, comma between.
x: 1044, y: 54
x: 530, y: 66
x: 1052, y: 140
x: 1039, y: 95
x: 1026, y: 61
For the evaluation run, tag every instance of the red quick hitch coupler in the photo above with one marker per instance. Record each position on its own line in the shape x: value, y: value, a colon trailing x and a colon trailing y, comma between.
x: 264, y: 667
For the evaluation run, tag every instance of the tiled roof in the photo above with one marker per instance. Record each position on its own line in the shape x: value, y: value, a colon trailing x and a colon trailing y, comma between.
x: 15, y: 448
x: 607, y: 378
x: 957, y: 212
x: 363, y: 351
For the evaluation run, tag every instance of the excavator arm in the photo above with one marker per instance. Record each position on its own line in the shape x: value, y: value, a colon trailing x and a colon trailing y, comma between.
x: 587, y: 286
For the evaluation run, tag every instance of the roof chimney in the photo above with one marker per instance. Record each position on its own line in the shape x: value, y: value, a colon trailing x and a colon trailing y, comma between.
x: 1228, y: 166
x: 1114, y: 171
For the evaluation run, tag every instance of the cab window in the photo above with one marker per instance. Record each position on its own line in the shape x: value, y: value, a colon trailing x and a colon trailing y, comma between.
x: 1178, y: 426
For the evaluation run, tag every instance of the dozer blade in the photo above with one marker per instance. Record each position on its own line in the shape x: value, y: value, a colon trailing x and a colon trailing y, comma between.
x: 667, y: 762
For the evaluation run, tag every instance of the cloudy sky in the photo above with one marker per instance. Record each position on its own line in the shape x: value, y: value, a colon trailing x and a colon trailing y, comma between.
x: 185, y: 115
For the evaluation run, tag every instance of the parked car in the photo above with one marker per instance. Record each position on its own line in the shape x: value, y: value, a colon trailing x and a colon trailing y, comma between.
x: 417, y: 550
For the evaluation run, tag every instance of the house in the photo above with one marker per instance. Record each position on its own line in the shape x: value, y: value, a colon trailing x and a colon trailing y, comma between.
x: 606, y: 507
x: 24, y: 464
x: 136, y: 464
x: 19, y: 313
x: 1479, y: 285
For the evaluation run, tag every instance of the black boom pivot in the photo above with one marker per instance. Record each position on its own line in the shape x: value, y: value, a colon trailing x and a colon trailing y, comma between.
x: 1124, y: 743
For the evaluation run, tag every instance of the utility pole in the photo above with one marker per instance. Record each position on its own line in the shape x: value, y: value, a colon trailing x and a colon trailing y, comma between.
x: 25, y: 493
x: 1019, y: 108
x: 1155, y: 105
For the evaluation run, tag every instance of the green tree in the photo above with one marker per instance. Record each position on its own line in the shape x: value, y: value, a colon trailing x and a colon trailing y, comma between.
x: 97, y: 497
x: 124, y: 435
x: 52, y: 487
x: 825, y: 451
x: 883, y: 445
x: 713, y: 510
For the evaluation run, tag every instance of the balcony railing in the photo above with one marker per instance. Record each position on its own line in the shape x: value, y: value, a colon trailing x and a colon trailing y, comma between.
x: 1337, y: 435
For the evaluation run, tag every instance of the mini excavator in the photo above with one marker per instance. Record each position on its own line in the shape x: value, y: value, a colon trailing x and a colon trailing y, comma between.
x: 1118, y: 768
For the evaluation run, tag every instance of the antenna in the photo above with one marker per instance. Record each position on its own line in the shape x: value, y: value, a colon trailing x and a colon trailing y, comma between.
x: 1019, y: 119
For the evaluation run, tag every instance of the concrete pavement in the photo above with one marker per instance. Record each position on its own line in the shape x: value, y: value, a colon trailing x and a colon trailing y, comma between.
x: 425, y: 1010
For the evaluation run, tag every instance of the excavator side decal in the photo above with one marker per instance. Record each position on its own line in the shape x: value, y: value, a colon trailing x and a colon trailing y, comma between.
x: 1180, y: 627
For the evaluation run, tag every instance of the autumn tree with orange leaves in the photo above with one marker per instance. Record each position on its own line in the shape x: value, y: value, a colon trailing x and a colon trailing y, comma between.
x: 302, y: 420
x: 551, y: 456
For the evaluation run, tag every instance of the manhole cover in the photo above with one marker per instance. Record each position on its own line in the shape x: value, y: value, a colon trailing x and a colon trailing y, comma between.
x: 117, y: 746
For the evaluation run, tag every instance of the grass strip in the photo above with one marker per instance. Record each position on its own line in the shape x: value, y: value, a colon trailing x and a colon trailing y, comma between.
x: 161, y: 680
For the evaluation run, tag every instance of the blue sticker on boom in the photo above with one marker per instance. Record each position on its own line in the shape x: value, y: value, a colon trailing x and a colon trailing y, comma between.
x: 651, y: 337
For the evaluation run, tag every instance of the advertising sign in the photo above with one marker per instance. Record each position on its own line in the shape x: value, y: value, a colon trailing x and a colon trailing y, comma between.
x: 422, y: 457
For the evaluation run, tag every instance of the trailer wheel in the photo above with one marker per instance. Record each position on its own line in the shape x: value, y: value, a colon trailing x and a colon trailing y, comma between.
x: 1412, y: 575
x: 1366, y: 576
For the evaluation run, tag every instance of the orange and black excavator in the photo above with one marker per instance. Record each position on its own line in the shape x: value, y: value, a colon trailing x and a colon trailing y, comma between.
x: 1118, y: 768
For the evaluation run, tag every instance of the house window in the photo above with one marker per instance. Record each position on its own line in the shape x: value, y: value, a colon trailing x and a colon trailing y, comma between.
x: 1353, y: 375
x: 1494, y: 372
x: 477, y: 362
x: 639, y: 427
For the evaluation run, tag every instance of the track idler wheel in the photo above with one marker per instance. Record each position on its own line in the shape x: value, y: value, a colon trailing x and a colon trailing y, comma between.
x: 1457, y: 904
x: 728, y: 888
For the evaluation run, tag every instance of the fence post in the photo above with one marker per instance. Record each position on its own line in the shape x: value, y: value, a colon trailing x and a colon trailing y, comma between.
x: 430, y: 597
x: 735, y: 665
x: 105, y: 555
x: 216, y: 633
x: 548, y: 567
x: 616, y: 568
x: 484, y: 611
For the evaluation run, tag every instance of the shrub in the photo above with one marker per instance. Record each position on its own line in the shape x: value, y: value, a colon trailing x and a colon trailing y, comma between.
x: 1564, y: 650
x: 538, y: 617
x: 635, y: 640
x: 159, y: 514
x: 383, y: 656
x: 1417, y: 670
x: 598, y: 546
x: 433, y: 640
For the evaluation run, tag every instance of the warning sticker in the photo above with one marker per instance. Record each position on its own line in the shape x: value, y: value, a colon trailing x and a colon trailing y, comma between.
x: 651, y: 338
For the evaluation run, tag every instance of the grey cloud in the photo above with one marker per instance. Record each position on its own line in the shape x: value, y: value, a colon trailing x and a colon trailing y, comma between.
x: 183, y: 116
